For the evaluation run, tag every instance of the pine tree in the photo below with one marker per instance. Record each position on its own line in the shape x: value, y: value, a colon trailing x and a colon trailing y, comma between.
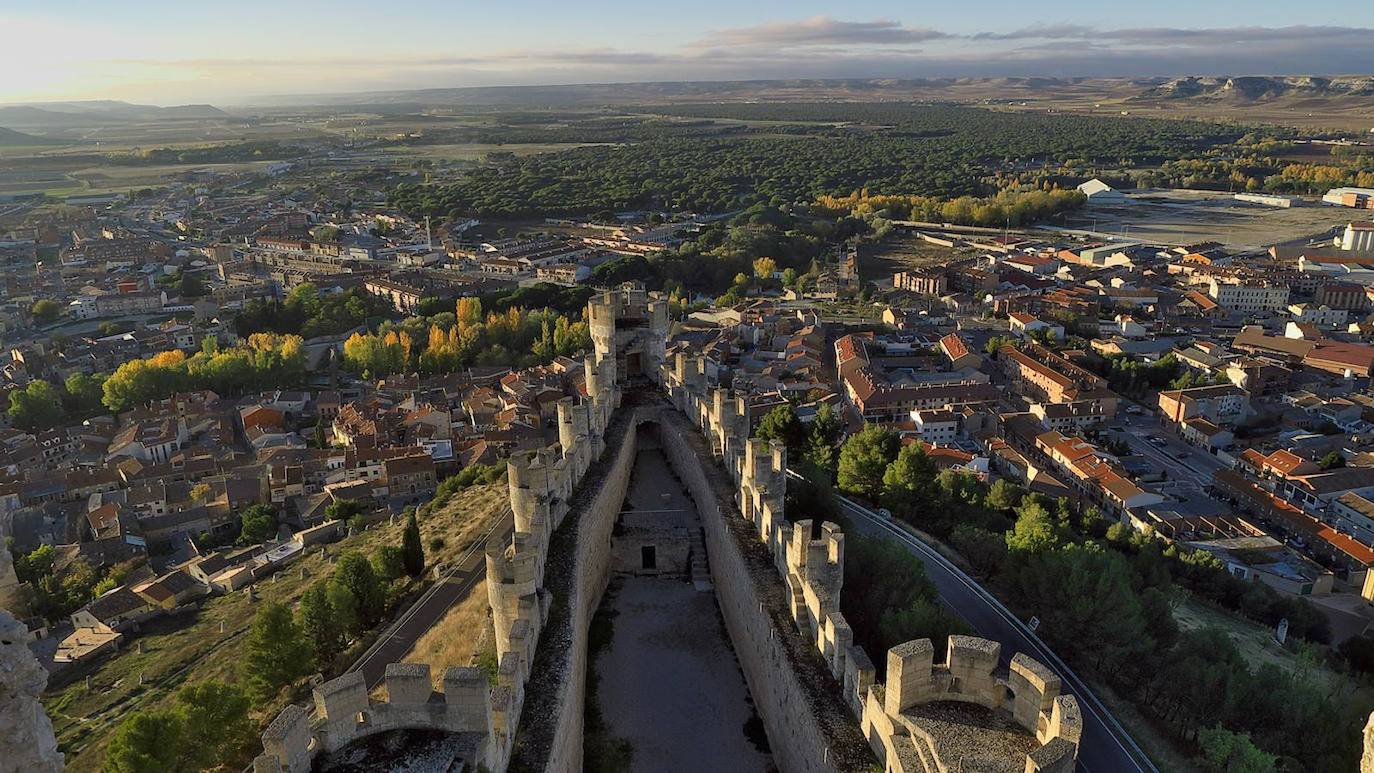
x: 320, y: 624
x: 277, y: 653
x: 412, y: 552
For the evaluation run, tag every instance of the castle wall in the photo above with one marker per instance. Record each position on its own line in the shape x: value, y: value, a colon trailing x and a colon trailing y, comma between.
x: 592, y: 566
x: 802, y: 735
x: 812, y: 570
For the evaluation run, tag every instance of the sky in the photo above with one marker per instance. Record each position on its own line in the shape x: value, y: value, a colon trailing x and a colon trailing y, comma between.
x: 227, y: 53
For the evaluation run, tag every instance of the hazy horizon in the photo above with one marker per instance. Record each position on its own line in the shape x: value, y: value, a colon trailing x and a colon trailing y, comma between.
x: 159, y: 53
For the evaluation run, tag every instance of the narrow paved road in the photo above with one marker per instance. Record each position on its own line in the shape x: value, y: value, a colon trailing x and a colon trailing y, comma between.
x: 1105, y: 745
x: 430, y: 608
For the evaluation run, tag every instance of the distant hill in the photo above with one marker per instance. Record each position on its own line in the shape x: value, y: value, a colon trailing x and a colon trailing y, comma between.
x: 1336, y: 101
x: 56, y: 116
x: 11, y: 138
x: 1260, y: 88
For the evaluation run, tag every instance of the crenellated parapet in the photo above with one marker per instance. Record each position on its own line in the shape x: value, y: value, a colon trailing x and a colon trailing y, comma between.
x: 629, y: 328
x: 811, y: 562
x: 905, y: 731
x: 541, y: 485
x: 343, y: 713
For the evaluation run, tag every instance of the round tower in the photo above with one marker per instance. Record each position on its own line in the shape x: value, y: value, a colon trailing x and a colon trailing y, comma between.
x: 528, y: 484
x: 656, y: 339
x: 567, y: 427
x: 601, y: 314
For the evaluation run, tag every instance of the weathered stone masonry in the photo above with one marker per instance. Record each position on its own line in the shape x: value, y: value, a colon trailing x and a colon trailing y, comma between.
x: 541, y: 491
x: 778, y: 590
x: 813, y: 570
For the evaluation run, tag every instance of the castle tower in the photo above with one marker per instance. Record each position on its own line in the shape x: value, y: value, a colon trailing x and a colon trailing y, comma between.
x: 528, y: 481
x: 512, y: 585
x: 722, y: 422
x: 655, y: 340
x: 573, y: 434
x: 601, y: 315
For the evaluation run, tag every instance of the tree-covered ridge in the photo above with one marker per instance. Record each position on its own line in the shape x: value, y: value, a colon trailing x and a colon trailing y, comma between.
x: 939, y: 151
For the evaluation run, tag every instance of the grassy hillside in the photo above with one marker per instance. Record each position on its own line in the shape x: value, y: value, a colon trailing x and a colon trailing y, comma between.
x: 208, y: 643
x: 12, y: 138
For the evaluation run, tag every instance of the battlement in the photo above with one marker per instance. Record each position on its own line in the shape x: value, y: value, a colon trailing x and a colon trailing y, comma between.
x: 343, y: 713
x: 1029, y: 694
x: 541, y: 485
x: 813, y: 570
x: 629, y: 328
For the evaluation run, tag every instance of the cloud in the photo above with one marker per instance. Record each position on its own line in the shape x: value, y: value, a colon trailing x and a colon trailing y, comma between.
x: 819, y: 31
x: 818, y: 47
x: 1040, y: 32
x: 1177, y: 36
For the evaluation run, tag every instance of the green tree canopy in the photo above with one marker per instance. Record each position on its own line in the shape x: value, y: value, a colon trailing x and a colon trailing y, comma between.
x: 360, y: 599
x: 37, y: 406
x: 822, y: 438
x: 277, y: 654
x: 864, y: 459
x: 259, y: 524
x: 45, y: 310
x: 320, y: 624
x: 147, y: 742
x: 781, y: 423
x: 908, y: 482
x: 413, y: 553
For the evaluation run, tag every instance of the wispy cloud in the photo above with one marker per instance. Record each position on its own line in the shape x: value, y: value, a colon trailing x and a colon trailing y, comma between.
x: 819, y: 31
x: 1182, y: 36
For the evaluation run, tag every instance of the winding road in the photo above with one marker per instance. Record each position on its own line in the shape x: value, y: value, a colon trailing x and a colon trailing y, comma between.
x: 1106, y: 746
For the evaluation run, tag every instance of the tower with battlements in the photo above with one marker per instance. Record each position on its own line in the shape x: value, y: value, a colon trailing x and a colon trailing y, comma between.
x: 629, y: 327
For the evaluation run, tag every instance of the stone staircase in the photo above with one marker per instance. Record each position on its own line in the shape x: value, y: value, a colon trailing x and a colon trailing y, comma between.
x: 700, y: 571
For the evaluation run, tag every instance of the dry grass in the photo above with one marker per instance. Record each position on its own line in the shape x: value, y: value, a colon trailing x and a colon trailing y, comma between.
x: 190, y: 648
x: 454, y: 640
x: 904, y: 253
x: 1255, y: 642
x: 454, y: 522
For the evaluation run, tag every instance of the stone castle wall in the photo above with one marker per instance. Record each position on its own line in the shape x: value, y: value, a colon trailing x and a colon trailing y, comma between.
x: 806, y: 726
x: 778, y: 589
x: 591, y: 570
x: 343, y: 713
x: 542, y: 488
x: 813, y: 572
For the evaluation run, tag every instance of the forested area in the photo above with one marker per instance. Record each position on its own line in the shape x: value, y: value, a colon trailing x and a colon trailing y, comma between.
x: 254, y: 150
x: 937, y: 151
x: 1105, y: 596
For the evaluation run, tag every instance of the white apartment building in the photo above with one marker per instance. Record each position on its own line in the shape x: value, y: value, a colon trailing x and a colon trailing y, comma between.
x: 939, y: 427
x: 1237, y: 296
x: 1358, y: 236
x: 1321, y: 316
